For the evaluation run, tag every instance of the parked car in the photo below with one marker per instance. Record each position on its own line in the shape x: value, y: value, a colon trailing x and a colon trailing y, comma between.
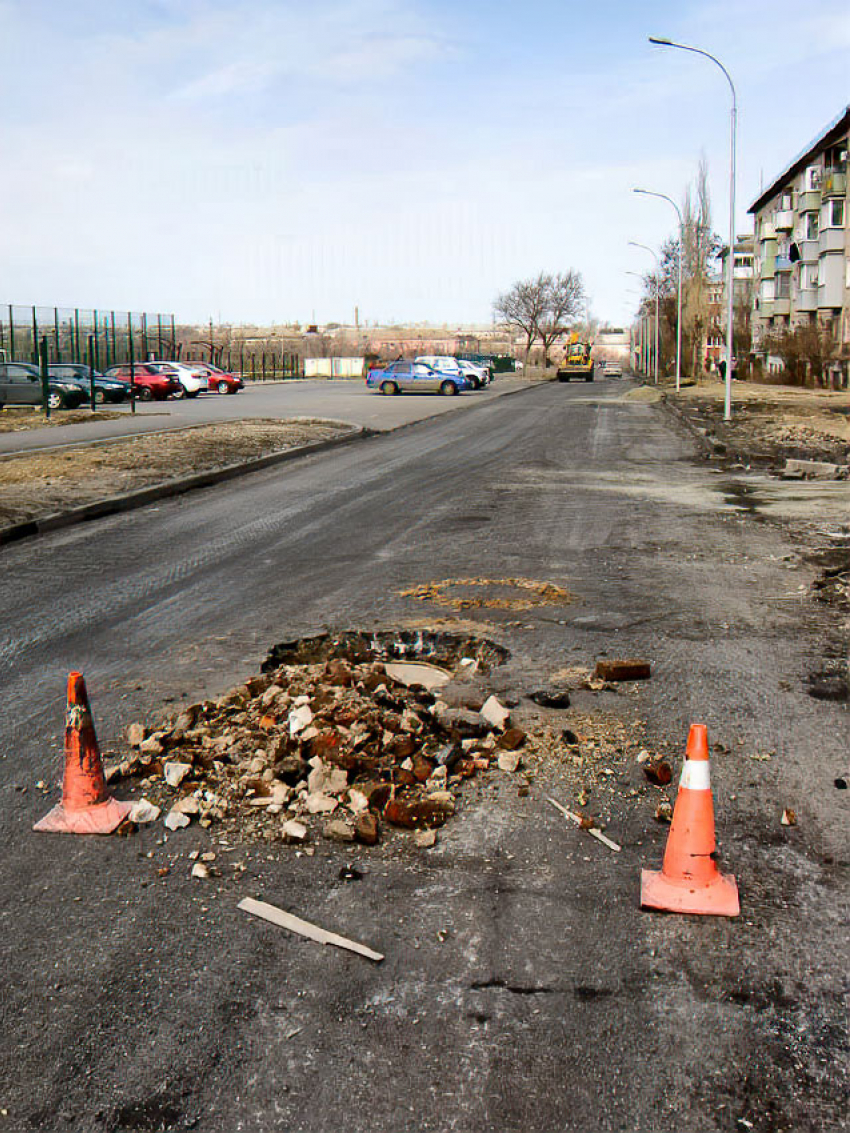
x: 612, y: 370
x: 450, y: 366
x: 151, y: 385
x: 480, y: 375
x: 20, y: 384
x: 218, y: 380
x: 112, y: 390
x: 191, y: 380
x: 416, y: 377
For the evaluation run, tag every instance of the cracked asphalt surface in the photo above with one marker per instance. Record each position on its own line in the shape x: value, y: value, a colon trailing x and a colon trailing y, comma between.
x: 523, y: 989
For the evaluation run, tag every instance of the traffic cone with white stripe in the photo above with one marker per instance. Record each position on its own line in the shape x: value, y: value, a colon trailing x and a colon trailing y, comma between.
x: 689, y: 880
x: 86, y: 807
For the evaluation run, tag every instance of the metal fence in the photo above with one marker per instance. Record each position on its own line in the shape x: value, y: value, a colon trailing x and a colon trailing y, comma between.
x: 75, y: 335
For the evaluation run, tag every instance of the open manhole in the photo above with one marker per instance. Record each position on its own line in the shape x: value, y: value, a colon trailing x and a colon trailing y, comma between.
x: 490, y: 593
x: 438, y: 648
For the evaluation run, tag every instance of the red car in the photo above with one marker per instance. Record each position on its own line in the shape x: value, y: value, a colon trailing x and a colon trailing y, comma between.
x: 218, y: 380
x: 152, y: 385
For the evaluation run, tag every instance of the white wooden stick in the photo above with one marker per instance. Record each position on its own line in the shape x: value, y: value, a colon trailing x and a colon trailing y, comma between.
x: 313, y: 932
x: 576, y: 818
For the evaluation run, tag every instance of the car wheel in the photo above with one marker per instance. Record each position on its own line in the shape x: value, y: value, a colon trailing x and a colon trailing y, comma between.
x: 448, y: 388
x: 55, y: 401
x: 389, y: 388
x: 144, y: 394
x: 192, y: 393
x: 179, y: 393
x: 223, y: 387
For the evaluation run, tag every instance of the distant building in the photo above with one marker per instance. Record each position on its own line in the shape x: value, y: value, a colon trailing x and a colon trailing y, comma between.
x: 801, y: 267
x: 742, y: 282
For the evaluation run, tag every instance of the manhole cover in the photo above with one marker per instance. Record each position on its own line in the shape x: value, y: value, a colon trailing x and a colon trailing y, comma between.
x: 490, y: 593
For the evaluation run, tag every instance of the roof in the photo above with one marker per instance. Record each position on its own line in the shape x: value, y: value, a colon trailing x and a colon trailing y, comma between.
x: 828, y: 134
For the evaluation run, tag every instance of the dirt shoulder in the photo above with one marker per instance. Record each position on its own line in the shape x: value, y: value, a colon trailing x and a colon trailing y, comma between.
x: 34, y: 485
x: 770, y: 424
x: 17, y: 420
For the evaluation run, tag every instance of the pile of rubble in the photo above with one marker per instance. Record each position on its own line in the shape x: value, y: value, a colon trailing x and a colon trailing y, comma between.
x: 334, y: 745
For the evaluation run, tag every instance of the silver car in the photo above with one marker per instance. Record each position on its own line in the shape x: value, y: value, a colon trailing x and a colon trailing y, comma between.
x: 417, y: 377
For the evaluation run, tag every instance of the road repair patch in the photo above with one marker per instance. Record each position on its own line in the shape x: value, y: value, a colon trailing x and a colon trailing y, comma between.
x: 490, y: 593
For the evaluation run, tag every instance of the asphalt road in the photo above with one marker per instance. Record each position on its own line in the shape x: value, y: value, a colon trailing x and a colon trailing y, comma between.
x: 341, y: 399
x: 523, y: 989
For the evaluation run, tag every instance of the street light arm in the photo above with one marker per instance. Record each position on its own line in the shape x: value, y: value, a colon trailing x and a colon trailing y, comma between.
x: 698, y: 51
x: 646, y: 248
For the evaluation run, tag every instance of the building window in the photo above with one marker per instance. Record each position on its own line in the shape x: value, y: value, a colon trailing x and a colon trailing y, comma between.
x: 785, y: 202
x: 783, y: 286
x: 834, y: 213
x: 813, y: 175
x: 812, y: 225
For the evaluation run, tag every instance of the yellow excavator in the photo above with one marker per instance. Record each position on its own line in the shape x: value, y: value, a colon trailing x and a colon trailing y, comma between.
x: 577, y: 363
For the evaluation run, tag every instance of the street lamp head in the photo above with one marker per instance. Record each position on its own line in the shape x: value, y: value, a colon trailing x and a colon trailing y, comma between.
x: 661, y: 42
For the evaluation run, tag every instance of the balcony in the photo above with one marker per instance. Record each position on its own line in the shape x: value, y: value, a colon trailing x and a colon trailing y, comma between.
x: 783, y: 263
x: 834, y: 184
x: 765, y: 310
x: 784, y: 220
x: 768, y: 267
x: 831, y: 289
x: 782, y: 306
x: 768, y: 230
x: 831, y: 240
x: 809, y: 251
x: 809, y: 201
x: 807, y: 300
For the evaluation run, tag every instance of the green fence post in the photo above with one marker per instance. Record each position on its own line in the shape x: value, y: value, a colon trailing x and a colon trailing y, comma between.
x: 45, y: 385
x: 34, y: 337
x: 91, y: 373
x: 132, y: 363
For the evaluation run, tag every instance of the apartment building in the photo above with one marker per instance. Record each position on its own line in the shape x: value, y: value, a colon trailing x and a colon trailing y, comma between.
x: 801, y: 265
x: 742, y: 283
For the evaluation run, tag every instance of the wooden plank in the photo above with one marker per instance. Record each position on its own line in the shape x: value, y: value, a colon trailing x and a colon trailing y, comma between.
x: 576, y: 818
x: 283, y: 919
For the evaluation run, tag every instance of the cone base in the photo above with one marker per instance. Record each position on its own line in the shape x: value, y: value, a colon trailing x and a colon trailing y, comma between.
x: 719, y: 898
x: 102, y: 818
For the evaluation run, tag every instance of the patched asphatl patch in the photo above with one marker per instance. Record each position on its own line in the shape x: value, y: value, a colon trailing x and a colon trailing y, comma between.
x: 532, y: 593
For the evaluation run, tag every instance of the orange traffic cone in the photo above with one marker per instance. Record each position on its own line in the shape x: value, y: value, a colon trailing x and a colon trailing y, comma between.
x: 86, y: 808
x: 689, y: 881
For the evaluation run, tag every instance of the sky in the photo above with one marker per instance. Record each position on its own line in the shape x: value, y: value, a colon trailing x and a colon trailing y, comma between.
x: 273, y: 161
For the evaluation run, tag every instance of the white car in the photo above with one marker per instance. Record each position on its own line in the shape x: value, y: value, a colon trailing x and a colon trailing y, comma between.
x: 479, y: 374
x: 192, y: 380
x: 612, y: 370
x: 446, y: 364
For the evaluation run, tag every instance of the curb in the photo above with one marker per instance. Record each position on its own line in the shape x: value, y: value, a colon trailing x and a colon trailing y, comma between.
x: 114, y: 505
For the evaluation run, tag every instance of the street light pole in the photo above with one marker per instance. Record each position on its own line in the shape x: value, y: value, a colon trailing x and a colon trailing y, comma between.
x: 730, y: 266
x: 640, y: 277
x: 664, y: 197
x: 653, y: 253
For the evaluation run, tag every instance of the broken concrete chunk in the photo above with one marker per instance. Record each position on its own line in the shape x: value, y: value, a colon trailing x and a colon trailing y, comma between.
x: 299, y: 718
x: 494, y: 713
x: 623, y: 670
x: 143, y: 812
x: 418, y: 673
x: 136, y: 734
x: 187, y: 805
x: 200, y: 870
x: 509, y: 761
x: 175, y: 819
x: 425, y: 838
x: 337, y: 830
x: 294, y: 831
x: 815, y: 470
x: 175, y: 773
x: 319, y: 803
x: 151, y: 746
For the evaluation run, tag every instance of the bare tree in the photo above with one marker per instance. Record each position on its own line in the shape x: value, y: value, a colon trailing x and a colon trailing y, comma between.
x: 543, y: 307
x: 565, y: 299
x: 523, y: 306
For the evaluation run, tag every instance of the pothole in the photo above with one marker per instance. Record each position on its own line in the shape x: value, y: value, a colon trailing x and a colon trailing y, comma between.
x: 357, y: 647
x: 490, y: 593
